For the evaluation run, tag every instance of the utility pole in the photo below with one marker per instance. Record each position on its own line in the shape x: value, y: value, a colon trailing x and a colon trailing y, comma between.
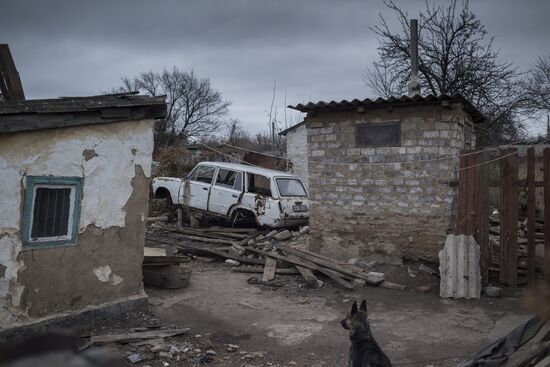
x: 414, y: 82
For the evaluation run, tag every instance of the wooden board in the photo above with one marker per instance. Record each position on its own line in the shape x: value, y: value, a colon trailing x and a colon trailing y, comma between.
x: 547, y: 214
x: 309, y: 277
x: 284, y: 271
x: 531, y: 204
x: 269, y: 269
x: 481, y: 213
x: 153, y: 251
x: 508, y: 212
x: 329, y: 265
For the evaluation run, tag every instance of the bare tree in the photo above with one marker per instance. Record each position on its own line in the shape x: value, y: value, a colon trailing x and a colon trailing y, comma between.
x: 195, y: 108
x: 537, y: 87
x: 455, y: 56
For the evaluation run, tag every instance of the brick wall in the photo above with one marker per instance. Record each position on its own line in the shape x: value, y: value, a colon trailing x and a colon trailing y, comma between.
x: 384, y: 211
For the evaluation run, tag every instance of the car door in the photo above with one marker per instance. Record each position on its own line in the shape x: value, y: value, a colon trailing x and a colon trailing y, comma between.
x: 198, y: 187
x: 226, y: 191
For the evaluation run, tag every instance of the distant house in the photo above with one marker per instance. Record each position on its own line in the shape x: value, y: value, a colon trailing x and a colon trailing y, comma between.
x: 369, y: 195
x: 74, y: 189
x: 296, y: 151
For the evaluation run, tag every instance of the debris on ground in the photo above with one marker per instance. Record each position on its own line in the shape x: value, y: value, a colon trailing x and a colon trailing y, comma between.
x: 268, y: 253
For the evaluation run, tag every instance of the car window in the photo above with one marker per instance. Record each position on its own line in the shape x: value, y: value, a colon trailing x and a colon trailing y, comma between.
x: 258, y: 184
x: 291, y: 187
x: 227, y: 178
x: 204, y: 174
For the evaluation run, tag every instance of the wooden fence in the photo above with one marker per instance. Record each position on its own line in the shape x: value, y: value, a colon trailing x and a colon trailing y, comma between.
x: 473, y: 211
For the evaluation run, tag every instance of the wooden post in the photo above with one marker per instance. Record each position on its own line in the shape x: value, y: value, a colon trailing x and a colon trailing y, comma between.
x: 481, y: 233
x: 473, y: 204
x: 547, y: 214
x: 531, y: 266
x: 508, y: 212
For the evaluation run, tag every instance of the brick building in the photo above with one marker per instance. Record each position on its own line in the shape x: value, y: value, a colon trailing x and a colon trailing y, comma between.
x: 363, y: 203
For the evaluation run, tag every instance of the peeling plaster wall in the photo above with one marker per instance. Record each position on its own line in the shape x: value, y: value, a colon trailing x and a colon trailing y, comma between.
x: 115, y: 161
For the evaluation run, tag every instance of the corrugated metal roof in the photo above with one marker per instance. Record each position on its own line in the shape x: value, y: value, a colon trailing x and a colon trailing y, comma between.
x: 286, y: 131
x: 392, y: 101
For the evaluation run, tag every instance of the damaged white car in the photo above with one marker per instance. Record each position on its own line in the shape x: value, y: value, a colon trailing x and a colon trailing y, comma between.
x: 239, y: 193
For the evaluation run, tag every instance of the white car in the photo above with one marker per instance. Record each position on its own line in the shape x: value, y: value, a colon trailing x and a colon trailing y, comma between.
x: 238, y: 192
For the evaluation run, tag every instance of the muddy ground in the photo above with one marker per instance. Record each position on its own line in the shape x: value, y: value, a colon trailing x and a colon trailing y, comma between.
x: 295, y: 325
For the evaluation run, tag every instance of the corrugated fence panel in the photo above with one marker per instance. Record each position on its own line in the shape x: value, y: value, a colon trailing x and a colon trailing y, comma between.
x: 459, y: 268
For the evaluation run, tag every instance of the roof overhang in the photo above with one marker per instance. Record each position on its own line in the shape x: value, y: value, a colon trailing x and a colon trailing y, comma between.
x: 63, y: 112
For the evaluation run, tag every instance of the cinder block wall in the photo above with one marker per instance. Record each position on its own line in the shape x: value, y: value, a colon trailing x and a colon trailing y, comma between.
x: 384, y: 211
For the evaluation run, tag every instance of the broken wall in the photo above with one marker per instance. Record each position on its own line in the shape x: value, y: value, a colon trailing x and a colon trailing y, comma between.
x: 296, y: 151
x: 385, y: 211
x: 105, y: 264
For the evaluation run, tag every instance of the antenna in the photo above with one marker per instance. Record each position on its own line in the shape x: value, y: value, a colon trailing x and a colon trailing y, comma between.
x: 414, y: 83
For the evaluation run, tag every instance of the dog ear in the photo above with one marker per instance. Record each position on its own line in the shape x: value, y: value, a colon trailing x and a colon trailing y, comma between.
x: 354, y: 308
x: 363, y: 306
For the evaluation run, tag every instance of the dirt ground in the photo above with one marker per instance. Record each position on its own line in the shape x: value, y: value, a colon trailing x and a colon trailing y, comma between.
x: 295, y: 325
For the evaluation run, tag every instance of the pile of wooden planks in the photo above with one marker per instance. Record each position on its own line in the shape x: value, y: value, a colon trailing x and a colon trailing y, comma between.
x: 266, y: 252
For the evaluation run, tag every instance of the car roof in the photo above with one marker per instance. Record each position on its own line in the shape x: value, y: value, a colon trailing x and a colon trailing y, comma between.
x: 250, y: 169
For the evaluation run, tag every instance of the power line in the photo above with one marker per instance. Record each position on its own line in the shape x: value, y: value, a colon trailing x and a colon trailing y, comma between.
x: 367, y: 180
x: 387, y: 163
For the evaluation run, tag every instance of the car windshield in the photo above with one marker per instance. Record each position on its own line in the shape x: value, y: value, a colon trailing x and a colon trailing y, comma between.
x: 291, y: 187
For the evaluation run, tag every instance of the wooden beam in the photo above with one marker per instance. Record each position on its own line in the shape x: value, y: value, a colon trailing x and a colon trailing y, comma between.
x: 309, y: 277
x: 481, y: 210
x: 269, y: 269
x: 531, y: 204
x: 508, y: 212
x: 10, y: 83
x: 546, y: 167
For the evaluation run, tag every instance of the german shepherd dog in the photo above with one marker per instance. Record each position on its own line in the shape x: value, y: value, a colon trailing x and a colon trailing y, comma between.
x: 364, y: 351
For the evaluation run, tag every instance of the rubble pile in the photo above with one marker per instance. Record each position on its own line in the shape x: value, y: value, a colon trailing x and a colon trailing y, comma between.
x: 265, y: 253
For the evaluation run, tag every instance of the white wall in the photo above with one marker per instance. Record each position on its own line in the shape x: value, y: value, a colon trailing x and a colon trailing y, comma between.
x: 118, y: 148
x: 296, y: 150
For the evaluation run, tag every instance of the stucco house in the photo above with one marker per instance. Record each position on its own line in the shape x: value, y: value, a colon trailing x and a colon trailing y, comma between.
x: 296, y: 151
x: 74, y: 188
x: 382, y: 173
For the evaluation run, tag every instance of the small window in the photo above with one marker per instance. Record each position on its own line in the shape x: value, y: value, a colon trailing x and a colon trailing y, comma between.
x: 203, y: 174
x: 291, y: 187
x: 378, y: 135
x: 260, y: 185
x: 52, y: 211
x: 231, y: 179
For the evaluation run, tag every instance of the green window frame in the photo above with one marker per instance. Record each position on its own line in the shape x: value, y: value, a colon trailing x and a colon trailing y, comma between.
x: 45, y: 226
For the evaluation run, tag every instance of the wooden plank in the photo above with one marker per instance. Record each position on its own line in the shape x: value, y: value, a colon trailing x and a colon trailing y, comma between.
x: 508, y: 212
x: 309, y: 277
x: 328, y: 264
x: 127, y: 337
x: 269, y: 269
x: 10, y: 83
x: 284, y: 271
x: 531, y: 206
x: 481, y: 209
x: 546, y: 163
x: 201, y: 251
x: 460, y: 226
x: 153, y: 251
x: 306, y: 264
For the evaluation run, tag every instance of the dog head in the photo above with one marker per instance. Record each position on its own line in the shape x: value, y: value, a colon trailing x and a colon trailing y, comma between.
x: 356, y: 320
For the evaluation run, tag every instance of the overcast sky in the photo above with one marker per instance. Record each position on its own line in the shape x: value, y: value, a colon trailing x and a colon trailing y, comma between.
x: 313, y: 49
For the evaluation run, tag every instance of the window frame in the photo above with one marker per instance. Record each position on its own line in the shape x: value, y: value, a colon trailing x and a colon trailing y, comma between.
x: 198, y: 168
x: 293, y: 179
x: 34, y: 182
x: 217, y: 183
x: 398, y: 144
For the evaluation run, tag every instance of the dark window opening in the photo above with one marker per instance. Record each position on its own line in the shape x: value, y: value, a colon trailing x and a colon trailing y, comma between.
x: 51, y: 212
x: 230, y: 179
x: 260, y: 185
x: 378, y: 135
x: 204, y: 174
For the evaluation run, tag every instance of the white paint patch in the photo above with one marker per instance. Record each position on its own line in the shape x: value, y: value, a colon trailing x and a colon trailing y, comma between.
x: 105, y: 275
